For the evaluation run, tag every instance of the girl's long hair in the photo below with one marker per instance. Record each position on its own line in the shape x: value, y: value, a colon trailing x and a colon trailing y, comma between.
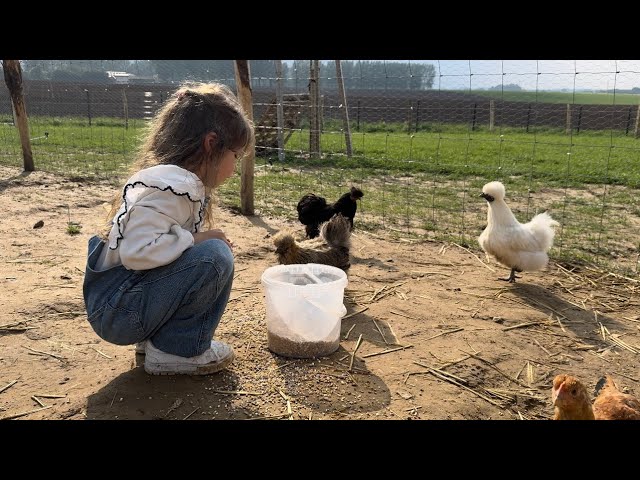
x: 175, y: 134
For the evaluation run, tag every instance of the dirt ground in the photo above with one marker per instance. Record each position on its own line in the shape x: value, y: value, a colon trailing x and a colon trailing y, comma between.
x: 441, y: 337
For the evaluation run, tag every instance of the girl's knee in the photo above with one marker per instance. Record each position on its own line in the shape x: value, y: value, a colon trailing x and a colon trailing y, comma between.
x: 225, y: 263
x: 218, y: 254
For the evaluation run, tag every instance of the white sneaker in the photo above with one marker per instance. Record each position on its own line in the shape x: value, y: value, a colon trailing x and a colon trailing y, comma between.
x: 140, y: 347
x: 216, y: 358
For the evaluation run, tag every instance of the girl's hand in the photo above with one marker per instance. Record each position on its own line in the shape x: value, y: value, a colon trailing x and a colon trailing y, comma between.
x: 210, y: 234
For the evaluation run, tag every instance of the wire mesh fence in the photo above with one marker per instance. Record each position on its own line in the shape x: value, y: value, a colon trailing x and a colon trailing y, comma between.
x: 422, y: 138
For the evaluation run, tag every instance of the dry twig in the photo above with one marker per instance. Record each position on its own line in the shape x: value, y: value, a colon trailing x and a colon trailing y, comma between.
x: 476, y: 257
x: 39, y: 352
x: 353, y: 355
x: 445, y: 332
x: 17, y: 415
x: 9, y: 385
x: 403, y: 347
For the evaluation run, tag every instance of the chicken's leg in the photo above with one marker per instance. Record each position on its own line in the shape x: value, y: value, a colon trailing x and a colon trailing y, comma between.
x: 511, y: 278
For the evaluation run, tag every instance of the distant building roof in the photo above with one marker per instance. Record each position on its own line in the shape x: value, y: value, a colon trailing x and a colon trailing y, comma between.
x: 119, y: 77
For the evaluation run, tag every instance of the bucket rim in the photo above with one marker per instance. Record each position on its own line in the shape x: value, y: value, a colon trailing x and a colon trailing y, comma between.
x: 342, y: 281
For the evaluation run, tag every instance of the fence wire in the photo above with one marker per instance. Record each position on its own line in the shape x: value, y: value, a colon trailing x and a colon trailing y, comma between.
x: 425, y: 136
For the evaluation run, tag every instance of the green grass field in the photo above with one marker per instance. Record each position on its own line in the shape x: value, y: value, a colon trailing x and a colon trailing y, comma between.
x: 581, y: 98
x: 424, y: 185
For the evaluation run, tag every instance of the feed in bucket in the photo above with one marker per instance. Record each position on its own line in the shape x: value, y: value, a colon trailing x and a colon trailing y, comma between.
x: 304, y: 304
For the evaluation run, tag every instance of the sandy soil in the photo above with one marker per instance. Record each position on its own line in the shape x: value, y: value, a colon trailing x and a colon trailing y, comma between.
x: 441, y: 337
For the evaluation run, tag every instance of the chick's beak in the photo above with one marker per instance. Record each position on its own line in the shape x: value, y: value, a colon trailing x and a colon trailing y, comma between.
x: 556, y: 393
x: 487, y: 197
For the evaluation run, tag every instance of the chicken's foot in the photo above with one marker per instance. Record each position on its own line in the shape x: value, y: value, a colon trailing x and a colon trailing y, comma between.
x: 511, y: 278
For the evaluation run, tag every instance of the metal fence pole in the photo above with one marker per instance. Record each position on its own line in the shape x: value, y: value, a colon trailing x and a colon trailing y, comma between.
x: 345, y: 116
x: 492, y: 112
x: 88, y: 105
x: 280, y: 110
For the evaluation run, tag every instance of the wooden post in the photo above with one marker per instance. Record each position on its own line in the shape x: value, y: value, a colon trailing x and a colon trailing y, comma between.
x: 125, y: 106
x: 636, y: 131
x: 579, y: 120
x: 343, y: 102
x: 243, y: 85
x: 280, y: 109
x: 314, y: 120
x: 492, y: 113
x: 568, y: 128
x: 13, y: 79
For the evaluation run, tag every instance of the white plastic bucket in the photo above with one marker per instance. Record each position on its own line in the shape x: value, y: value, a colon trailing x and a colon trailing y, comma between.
x: 304, y: 304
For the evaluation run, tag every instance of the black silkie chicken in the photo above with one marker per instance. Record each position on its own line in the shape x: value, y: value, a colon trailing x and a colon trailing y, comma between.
x: 314, y: 210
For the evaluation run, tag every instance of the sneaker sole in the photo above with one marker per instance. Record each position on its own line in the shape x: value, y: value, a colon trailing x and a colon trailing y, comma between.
x: 181, y: 369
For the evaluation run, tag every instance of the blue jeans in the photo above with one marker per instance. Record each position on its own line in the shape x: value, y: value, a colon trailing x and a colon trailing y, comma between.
x: 177, y: 306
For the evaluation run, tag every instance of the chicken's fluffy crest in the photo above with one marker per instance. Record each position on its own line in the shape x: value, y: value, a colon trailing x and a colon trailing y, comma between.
x: 495, y: 189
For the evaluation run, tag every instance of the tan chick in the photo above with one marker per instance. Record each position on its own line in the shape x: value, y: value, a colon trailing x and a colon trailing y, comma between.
x: 330, y: 248
x: 570, y: 399
x: 518, y: 246
x: 612, y: 404
x: 572, y: 402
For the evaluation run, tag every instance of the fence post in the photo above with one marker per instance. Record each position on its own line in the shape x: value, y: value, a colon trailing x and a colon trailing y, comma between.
x: 243, y: 84
x: 528, y: 117
x: 280, y: 110
x: 568, y: 127
x: 88, y: 105
x: 13, y: 79
x: 636, y: 131
x: 314, y: 121
x: 579, y: 120
x: 626, y: 132
x: 321, y: 115
x: 492, y: 113
x: 125, y: 106
x: 343, y: 101
x: 473, y: 124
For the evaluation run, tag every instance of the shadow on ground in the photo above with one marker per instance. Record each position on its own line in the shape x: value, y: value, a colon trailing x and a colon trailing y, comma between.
x: 137, y: 395
x: 579, y: 321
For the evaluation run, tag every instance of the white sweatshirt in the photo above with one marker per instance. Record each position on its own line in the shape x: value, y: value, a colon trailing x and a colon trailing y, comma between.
x: 162, y: 207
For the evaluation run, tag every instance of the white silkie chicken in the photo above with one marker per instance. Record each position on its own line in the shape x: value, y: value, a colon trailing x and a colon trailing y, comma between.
x: 521, y: 247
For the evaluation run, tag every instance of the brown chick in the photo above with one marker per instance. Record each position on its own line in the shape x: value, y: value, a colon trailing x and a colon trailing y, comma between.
x: 612, y: 404
x: 331, y: 248
x: 570, y: 399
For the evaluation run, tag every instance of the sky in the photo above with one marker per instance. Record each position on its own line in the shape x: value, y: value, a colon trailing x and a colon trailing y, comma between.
x: 535, y: 74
